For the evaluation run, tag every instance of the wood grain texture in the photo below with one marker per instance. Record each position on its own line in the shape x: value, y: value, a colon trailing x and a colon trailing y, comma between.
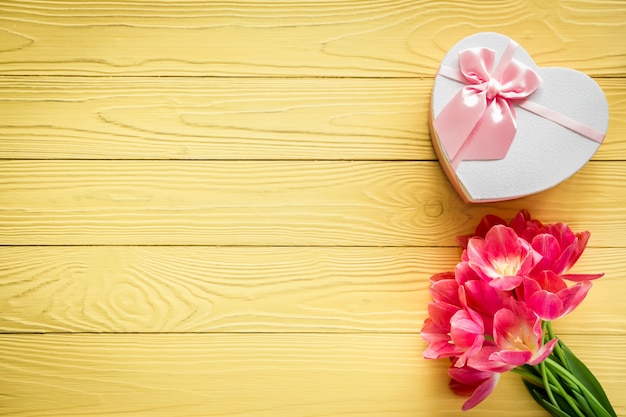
x: 189, y: 118
x: 297, y: 38
x: 256, y: 375
x: 233, y: 208
x: 276, y: 203
x: 218, y: 289
x: 234, y: 119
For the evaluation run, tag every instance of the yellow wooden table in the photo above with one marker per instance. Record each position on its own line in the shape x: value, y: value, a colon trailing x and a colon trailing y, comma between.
x: 233, y: 208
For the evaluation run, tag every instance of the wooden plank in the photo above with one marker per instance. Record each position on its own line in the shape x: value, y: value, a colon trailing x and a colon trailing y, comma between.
x: 296, y: 38
x: 235, y: 289
x: 225, y: 118
x: 300, y: 203
x: 260, y: 375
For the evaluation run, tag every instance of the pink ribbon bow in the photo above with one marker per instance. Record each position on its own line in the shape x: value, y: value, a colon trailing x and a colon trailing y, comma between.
x: 479, y: 123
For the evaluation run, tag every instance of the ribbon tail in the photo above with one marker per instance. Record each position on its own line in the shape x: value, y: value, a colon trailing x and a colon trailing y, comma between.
x: 492, y: 136
x: 458, y: 118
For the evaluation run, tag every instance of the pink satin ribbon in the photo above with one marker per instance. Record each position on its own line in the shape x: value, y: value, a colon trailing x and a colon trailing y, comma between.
x: 479, y: 123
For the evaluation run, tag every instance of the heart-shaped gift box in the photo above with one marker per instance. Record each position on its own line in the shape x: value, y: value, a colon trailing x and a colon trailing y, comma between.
x: 504, y: 128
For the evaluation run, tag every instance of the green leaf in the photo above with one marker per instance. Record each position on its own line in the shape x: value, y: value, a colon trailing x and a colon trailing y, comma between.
x: 584, y: 375
x: 541, y: 397
x: 531, y: 369
x: 555, y: 411
x: 563, y: 405
x: 584, y: 405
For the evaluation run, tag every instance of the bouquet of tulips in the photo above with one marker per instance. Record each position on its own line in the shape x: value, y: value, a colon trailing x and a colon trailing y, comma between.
x: 493, y: 314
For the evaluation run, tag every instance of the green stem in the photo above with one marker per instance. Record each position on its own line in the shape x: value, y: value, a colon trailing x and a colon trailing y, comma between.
x: 544, y: 377
x: 544, y: 333
x: 563, y: 393
x: 552, y: 384
x: 576, y: 384
x: 528, y: 376
x: 558, y: 351
x: 549, y: 329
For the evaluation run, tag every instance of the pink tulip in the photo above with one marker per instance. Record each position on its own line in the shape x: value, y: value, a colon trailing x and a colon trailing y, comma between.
x: 479, y: 295
x: 484, y: 360
x: 436, y: 331
x: 478, y: 377
x: 467, y: 333
x: 463, y: 273
x: 522, y: 224
x: 452, y: 329
x: 517, y: 333
x: 452, y: 332
x: 469, y: 382
x: 445, y: 288
x: 485, y: 300
x: 486, y: 223
x: 560, y: 249
x: 550, y: 297
x: 487, y: 315
x: 501, y: 258
x: 525, y: 226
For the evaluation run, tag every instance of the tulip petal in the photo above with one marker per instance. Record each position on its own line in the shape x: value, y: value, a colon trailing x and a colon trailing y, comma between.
x: 574, y: 295
x: 567, y: 258
x: 504, y: 323
x: 447, y: 291
x: 484, y: 298
x: 548, y: 246
x: 550, y: 281
x: 482, y: 360
x: 499, y: 241
x: 438, y: 342
x: 465, y: 327
x: 562, y: 232
x: 473, y: 383
x: 481, y: 392
x: 467, y: 375
x: 525, y: 226
x: 512, y: 357
x: 441, y: 313
x: 441, y: 276
x: 582, y: 277
x: 547, y: 305
x: 543, y: 352
x: 507, y: 283
x: 464, y: 273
